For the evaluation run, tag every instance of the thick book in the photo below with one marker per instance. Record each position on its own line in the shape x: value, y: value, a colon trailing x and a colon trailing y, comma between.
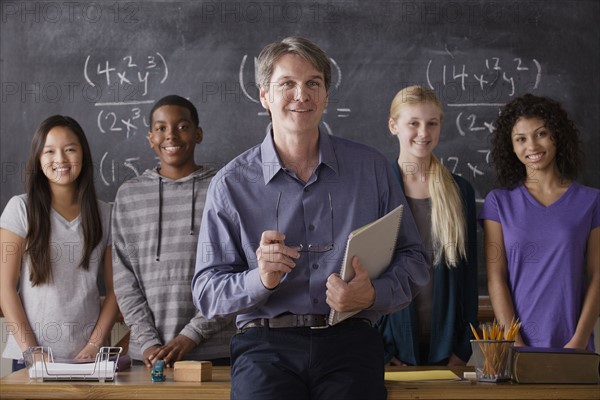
x: 374, y: 244
x: 555, y: 365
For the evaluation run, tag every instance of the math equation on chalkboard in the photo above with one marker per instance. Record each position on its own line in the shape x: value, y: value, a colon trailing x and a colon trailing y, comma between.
x: 120, y: 88
x: 473, y: 90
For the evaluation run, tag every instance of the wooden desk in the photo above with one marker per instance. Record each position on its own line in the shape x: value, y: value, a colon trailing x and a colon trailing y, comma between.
x: 136, y: 384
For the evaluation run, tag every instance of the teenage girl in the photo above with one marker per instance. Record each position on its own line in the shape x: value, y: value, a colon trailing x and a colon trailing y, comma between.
x: 55, y: 246
x: 434, y: 328
x: 542, y: 229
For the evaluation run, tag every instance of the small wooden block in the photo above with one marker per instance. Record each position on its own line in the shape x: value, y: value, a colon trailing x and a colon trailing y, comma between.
x: 192, y: 371
x: 470, y: 376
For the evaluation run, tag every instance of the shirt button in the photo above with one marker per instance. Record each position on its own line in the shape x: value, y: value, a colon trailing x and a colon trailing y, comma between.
x: 306, y: 189
x: 315, y: 301
x: 315, y: 266
x: 311, y: 227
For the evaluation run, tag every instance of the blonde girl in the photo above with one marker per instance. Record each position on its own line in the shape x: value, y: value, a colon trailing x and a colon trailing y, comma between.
x: 434, y: 329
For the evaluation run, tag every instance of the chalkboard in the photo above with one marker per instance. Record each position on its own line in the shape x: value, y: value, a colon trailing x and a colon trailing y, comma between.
x: 105, y: 63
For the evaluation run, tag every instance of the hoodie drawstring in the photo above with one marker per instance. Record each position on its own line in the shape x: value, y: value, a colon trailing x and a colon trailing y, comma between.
x: 160, y: 184
x: 160, y: 201
x: 193, y: 205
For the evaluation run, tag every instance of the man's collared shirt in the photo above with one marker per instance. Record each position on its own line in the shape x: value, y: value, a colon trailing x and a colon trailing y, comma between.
x: 255, y: 193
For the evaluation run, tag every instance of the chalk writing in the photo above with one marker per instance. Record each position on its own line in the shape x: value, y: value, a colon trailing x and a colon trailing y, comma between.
x: 123, y: 85
x: 128, y: 71
x: 113, y: 170
x: 470, y: 123
x: 133, y: 121
x: 489, y: 81
x: 474, y: 90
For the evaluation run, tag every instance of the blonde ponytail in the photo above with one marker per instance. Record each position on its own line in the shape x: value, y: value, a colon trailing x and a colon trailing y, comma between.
x: 448, y: 228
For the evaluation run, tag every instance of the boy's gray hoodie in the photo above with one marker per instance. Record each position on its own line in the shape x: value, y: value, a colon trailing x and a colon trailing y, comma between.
x: 155, y: 226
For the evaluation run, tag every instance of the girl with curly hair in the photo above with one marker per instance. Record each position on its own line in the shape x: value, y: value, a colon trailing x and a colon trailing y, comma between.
x: 542, y: 229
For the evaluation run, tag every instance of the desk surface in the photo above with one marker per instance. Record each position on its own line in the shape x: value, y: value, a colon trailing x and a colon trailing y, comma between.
x: 137, y: 384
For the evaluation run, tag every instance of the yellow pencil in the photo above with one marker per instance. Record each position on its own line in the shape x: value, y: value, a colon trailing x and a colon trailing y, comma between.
x: 474, y: 332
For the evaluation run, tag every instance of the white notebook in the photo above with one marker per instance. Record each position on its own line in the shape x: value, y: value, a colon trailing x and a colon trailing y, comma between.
x: 374, y: 245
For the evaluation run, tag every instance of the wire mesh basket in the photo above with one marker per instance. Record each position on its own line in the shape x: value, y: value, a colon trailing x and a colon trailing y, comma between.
x: 41, y: 365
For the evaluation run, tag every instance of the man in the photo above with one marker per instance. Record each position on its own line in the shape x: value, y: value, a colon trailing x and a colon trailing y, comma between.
x: 272, y: 242
x: 156, y: 219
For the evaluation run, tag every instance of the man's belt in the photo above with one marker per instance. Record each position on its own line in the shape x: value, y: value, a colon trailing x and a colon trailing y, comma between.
x: 299, y: 321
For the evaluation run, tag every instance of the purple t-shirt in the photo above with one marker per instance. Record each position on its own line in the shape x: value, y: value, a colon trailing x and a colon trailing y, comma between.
x: 546, y: 253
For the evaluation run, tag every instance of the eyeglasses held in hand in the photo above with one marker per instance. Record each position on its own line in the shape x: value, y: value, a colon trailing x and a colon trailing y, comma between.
x: 310, y: 247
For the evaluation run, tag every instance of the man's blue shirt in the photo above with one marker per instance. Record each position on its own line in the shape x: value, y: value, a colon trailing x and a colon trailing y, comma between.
x: 351, y: 186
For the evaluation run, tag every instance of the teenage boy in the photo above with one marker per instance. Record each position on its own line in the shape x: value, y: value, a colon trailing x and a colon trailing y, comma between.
x: 155, y: 225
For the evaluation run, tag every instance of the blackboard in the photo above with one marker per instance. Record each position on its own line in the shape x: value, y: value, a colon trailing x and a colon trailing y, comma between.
x: 105, y: 63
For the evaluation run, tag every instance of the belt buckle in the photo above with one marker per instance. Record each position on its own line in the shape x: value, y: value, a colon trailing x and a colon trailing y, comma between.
x: 322, y: 318
x: 321, y: 327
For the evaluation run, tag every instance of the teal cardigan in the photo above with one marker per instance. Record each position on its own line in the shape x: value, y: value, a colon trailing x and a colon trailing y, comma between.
x: 455, y: 302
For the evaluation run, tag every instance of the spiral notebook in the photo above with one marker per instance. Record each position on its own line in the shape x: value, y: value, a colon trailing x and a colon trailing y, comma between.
x: 374, y: 245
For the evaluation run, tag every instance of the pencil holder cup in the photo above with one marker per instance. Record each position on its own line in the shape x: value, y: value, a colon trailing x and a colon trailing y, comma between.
x: 492, y: 359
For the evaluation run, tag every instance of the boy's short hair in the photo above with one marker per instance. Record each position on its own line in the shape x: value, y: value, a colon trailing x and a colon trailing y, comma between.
x: 175, y: 100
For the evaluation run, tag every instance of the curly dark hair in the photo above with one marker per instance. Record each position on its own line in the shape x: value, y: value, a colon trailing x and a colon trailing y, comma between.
x: 565, y: 135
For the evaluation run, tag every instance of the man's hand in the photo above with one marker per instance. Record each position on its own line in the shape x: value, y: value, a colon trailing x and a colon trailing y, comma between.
x: 173, y: 351
x: 357, y: 294
x: 275, y: 259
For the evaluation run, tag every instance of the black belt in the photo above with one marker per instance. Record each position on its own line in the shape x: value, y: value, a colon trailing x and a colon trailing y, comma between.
x: 314, y: 321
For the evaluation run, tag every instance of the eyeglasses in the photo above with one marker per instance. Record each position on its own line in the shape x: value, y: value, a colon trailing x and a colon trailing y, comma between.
x: 310, y: 247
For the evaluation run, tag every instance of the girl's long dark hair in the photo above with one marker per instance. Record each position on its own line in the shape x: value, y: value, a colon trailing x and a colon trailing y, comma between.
x: 39, y: 200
